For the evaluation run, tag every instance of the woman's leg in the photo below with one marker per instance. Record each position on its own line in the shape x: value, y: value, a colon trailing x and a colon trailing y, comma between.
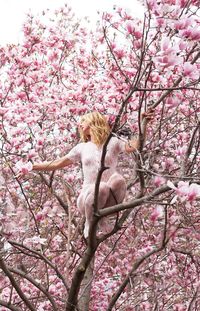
x: 117, y: 186
x: 110, y: 193
x: 86, y: 201
x: 117, y: 192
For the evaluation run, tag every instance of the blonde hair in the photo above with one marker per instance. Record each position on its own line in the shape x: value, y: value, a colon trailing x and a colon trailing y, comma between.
x: 99, y: 127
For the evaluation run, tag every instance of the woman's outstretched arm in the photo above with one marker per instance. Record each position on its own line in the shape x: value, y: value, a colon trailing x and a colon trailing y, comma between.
x: 52, y: 165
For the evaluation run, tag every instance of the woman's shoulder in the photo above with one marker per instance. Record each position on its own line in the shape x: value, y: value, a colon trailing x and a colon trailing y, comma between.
x: 115, y: 140
x: 117, y: 143
x: 85, y: 145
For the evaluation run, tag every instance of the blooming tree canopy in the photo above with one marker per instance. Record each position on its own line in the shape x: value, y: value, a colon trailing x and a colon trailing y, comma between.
x: 149, y: 260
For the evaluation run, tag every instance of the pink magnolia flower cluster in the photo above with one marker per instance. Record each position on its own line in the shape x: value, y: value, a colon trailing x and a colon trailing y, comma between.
x: 23, y: 167
x: 185, y: 191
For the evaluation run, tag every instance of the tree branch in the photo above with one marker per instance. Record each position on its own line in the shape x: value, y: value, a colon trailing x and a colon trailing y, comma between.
x: 137, y: 202
x: 35, y: 283
x: 16, y: 286
x: 9, y: 306
x: 40, y: 256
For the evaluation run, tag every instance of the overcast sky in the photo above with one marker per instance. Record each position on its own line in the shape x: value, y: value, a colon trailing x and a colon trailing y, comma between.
x: 12, y: 12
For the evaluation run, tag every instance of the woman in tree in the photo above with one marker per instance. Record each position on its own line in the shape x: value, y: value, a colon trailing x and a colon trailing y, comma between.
x: 94, y: 130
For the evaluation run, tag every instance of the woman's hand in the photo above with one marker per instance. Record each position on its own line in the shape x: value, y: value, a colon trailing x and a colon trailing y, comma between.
x: 148, y: 115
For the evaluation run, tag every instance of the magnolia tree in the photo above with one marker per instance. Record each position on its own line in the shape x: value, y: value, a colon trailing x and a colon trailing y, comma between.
x: 149, y: 260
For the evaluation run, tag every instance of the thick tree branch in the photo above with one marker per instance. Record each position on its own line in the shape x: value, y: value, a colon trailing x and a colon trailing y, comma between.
x: 77, y: 278
x: 137, y: 202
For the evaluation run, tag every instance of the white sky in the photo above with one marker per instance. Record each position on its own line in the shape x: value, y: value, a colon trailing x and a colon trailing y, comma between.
x: 12, y: 12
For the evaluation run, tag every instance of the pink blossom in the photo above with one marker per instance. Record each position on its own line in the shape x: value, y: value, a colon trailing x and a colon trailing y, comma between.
x: 107, y: 17
x: 180, y: 307
x: 190, y: 70
x: 39, y: 216
x: 185, y: 191
x: 130, y: 28
x: 155, y: 77
x: 165, y: 43
x: 171, y: 60
x: 120, y: 53
x: 23, y: 167
x: 191, y: 33
x: 3, y: 111
x: 182, y: 45
x: 138, y: 34
x: 53, y: 56
x: 168, y: 163
x: 195, y: 34
x: 160, y: 22
x: 193, y: 192
x: 158, y: 181
x: 69, y: 177
x: 22, y: 95
x: 182, y: 23
x: 172, y: 101
x: 168, y: 60
x: 32, y: 153
x: 40, y: 141
x: 157, y: 213
x: 180, y: 152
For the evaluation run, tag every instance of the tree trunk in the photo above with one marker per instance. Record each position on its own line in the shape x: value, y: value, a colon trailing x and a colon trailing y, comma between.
x: 84, y: 299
